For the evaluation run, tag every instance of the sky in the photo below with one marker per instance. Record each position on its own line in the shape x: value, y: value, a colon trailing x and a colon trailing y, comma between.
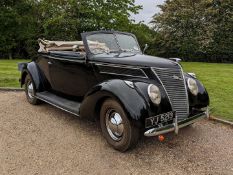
x: 149, y: 9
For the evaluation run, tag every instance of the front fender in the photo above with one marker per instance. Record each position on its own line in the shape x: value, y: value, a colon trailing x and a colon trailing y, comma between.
x: 202, y: 98
x: 135, y: 101
x: 132, y: 102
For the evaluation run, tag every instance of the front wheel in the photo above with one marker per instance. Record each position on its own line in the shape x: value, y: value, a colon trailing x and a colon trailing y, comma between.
x: 30, y: 91
x: 116, y: 127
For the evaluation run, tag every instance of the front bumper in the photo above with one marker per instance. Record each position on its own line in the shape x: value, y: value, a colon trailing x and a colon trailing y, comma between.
x: 176, y: 125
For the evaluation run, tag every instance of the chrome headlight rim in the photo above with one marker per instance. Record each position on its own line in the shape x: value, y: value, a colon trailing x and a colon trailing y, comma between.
x: 158, y: 98
x: 192, y: 85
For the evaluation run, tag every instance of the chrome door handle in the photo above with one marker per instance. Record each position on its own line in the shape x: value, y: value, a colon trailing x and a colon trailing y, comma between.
x: 49, y: 62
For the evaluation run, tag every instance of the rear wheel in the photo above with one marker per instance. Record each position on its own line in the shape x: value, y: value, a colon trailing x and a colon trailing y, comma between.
x: 30, y: 91
x: 119, y: 132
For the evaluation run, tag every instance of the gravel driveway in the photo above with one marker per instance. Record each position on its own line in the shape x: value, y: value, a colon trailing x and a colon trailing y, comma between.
x: 45, y: 140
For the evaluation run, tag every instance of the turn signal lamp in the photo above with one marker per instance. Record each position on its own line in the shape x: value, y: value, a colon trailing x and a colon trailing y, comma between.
x: 161, y: 138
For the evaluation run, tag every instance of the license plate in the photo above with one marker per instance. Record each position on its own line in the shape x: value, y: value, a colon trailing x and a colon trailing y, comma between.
x: 160, y: 119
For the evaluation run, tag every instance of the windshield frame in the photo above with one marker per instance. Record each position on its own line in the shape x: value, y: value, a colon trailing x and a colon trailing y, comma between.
x: 90, y: 54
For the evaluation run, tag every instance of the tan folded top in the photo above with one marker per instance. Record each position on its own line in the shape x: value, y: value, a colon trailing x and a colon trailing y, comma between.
x: 46, y: 45
x: 76, y: 46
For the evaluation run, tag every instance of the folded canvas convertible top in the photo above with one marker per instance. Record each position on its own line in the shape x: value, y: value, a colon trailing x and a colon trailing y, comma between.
x: 46, y: 46
x: 76, y: 46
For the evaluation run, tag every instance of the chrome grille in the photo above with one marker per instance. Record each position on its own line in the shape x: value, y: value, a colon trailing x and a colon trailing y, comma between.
x: 174, y: 84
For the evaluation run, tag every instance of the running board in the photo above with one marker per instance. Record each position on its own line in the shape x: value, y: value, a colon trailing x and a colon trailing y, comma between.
x: 59, y: 102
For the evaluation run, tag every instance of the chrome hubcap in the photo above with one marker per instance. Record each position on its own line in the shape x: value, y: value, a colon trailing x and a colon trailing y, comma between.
x: 30, y: 90
x: 114, y: 124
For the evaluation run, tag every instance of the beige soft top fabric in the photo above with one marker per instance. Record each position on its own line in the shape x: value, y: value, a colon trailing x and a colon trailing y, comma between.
x: 76, y: 46
x: 46, y: 45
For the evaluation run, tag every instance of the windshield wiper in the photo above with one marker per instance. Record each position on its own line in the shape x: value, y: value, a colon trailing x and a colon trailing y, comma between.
x: 130, y: 50
x: 114, y: 51
x: 106, y: 52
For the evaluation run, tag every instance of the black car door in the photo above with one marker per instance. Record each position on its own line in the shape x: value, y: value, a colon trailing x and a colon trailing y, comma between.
x: 71, y: 76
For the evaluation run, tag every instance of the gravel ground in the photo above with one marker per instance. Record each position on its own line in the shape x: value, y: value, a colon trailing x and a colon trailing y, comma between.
x: 45, y: 140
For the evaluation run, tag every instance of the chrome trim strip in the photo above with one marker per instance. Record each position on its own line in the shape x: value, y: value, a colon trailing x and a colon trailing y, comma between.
x: 57, y: 106
x: 123, y: 67
x: 187, y: 98
x: 62, y: 59
x: 117, y: 65
x: 175, y: 126
x: 121, y: 74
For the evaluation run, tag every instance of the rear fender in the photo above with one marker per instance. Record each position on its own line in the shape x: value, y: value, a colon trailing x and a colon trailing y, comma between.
x: 33, y: 70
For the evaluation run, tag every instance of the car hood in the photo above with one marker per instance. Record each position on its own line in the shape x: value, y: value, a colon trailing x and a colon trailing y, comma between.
x: 135, y: 60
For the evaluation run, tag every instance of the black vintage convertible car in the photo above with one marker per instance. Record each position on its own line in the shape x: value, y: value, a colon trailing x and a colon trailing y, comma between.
x: 106, y: 77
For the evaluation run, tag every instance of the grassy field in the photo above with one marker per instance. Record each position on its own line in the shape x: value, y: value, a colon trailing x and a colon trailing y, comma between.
x: 217, y: 78
x: 9, y: 74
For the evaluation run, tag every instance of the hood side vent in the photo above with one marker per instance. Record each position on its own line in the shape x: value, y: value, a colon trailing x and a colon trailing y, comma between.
x: 124, y: 71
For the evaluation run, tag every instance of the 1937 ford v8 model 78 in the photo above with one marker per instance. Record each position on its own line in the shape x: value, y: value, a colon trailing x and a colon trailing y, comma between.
x: 107, y: 77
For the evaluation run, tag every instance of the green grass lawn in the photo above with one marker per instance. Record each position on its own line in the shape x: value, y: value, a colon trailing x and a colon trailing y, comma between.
x: 9, y: 74
x: 217, y: 78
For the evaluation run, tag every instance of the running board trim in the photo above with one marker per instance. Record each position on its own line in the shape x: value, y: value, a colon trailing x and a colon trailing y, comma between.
x: 57, y: 106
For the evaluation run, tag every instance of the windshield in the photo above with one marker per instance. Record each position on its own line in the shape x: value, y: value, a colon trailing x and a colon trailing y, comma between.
x: 112, y: 43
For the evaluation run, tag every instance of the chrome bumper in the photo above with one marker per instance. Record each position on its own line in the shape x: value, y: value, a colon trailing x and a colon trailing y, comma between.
x: 176, y: 125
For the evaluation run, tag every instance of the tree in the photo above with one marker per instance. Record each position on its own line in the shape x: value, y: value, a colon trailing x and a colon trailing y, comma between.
x: 18, y: 27
x: 195, y: 29
x: 221, y: 17
x: 24, y: 21
x: 66, y: 19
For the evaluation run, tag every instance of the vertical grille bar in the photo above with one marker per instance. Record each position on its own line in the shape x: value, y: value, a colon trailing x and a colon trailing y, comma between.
x: 174, y: 84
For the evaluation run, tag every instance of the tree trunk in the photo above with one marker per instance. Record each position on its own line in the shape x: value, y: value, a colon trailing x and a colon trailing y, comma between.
x: 10, y: 55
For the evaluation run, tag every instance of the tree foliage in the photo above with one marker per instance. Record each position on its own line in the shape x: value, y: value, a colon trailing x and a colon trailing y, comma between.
x: 24, y: 21
x: 196, y: 29
x: 17, y: 27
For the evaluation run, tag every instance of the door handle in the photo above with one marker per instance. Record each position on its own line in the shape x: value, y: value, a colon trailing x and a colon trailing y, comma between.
x: 49, y: 62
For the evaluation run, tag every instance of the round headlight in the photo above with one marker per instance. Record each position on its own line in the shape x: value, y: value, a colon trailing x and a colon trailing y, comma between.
x: 192, y: 85
x: 154, y: 94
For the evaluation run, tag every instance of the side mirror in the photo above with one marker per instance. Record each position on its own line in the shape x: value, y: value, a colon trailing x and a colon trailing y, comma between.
x: 176, y: 59
x: 145, y: 48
